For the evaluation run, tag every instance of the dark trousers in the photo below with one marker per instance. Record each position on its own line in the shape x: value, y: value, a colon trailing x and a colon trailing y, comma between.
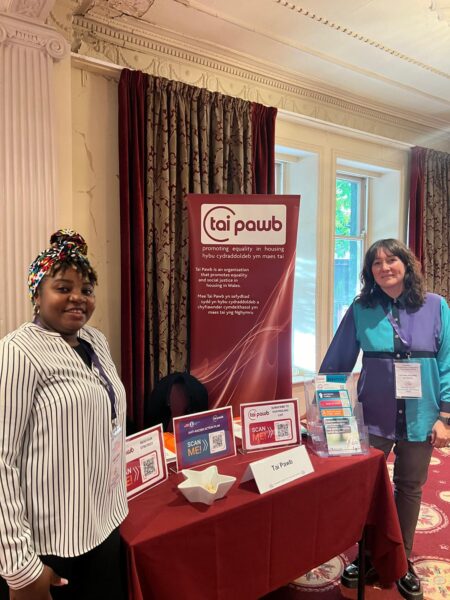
x: 411, y: 464
x: 97, y: 574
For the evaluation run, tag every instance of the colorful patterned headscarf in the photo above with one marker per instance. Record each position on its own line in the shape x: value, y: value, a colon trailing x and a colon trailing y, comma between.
x: 68, y: 248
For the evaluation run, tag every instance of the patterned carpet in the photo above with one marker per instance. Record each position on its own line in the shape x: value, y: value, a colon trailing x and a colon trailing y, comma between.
x: 431, y: 555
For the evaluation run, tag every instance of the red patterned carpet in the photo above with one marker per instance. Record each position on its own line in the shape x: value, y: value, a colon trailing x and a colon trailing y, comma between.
x: 431, y: 550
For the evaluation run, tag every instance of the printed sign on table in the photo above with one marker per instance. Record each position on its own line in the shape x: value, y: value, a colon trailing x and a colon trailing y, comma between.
x: 277, y: 470
x: 145, y: 461
x: 269, y: 424
x: 201, y: 438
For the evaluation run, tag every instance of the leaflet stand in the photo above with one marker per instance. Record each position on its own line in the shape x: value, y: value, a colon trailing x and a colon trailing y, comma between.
x: 334, y: 416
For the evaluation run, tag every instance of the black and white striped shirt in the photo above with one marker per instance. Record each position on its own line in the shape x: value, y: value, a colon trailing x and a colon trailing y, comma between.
x: 55, y: 450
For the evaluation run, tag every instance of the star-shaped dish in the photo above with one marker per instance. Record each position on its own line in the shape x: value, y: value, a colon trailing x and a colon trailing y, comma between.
x: 205, y: 486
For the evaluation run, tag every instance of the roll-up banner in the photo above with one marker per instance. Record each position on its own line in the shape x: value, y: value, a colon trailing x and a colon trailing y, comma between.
x: 242, y: 263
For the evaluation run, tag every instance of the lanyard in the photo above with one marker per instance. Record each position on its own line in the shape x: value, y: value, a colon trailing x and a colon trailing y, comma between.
x: 405, y: 338
x: 101, y: 372
x: 103, y: 377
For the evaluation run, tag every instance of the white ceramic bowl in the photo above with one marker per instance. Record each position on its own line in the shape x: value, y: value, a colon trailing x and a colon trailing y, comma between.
x: 205, y: 486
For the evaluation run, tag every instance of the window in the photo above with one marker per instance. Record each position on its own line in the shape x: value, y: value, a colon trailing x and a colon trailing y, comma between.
x: 349, y: 204
x: 349, y: 238
x: 296, y: 172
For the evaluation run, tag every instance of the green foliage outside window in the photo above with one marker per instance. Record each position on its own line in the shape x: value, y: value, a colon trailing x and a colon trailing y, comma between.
x: 346, y: 196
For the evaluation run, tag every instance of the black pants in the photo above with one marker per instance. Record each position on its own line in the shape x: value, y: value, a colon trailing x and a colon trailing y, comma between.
x: 97, y: 574
x: 412, y: 460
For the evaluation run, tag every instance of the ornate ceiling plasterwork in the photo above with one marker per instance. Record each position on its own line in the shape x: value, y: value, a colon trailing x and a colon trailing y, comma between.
x: 115, y: 8
x: 101, y: 32
x: 364, y: 39
x: 442, y: 9
x: 33, y: 9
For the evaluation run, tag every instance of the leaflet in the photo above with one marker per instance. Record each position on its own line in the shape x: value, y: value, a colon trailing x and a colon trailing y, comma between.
x: 342, y: 435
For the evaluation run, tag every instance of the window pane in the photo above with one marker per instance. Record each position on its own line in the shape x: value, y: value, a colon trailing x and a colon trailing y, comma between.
x: 348, y: 214
x: 279, y: 168
x: 304, y: 308
x: 347, y: 267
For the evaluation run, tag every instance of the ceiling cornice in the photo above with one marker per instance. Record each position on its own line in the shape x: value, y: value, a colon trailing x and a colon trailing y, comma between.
x: 349, y: 32
x: 155, y: 39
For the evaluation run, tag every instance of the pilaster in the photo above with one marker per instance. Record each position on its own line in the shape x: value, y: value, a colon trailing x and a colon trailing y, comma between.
x: 28, y: 182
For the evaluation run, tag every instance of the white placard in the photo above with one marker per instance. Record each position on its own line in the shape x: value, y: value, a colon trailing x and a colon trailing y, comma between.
x: 145, y: 461
x: 276, y: 470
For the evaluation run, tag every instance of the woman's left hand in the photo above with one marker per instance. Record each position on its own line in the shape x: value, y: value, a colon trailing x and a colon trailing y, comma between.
x: 440, y: 435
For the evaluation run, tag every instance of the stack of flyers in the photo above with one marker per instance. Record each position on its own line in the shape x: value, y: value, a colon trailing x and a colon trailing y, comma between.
x: 342, y: 435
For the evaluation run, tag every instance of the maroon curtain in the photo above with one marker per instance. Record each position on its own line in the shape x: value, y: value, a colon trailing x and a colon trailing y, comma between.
x: 263, y: 136
x: 132, y: 171
x: 161, y: 156
x: 416, y: 202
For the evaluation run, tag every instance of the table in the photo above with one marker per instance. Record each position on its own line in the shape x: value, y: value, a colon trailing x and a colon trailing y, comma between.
x: 248, y: 544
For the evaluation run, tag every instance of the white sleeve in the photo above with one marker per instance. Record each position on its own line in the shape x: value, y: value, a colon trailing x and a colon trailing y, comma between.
x: 19, y: 564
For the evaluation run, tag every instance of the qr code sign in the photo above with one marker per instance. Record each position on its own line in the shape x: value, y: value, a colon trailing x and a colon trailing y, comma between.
x: 283, y: 430
x: 148, y: 467
x: 217, y: 441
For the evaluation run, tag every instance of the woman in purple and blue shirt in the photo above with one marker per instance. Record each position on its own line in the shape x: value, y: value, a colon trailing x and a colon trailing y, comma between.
x: 394, y: 321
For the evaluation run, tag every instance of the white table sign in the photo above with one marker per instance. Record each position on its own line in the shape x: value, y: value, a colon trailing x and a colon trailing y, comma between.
x: 276, y: 470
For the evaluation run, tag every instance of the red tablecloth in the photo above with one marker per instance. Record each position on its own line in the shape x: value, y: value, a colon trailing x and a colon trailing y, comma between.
x: 248, y: 544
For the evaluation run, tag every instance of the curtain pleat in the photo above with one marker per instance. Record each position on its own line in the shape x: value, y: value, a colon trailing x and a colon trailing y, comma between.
x: 430, y: 216
x: 416, y: 202
x: 132, y: 173
x: 263, y: 128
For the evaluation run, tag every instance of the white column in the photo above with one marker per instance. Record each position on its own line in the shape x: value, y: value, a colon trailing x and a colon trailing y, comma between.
x: 28, y: 184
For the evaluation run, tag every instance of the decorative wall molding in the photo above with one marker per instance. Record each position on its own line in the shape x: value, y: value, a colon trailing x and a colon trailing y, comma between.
x: 18, y: 30
x: 160, y: 55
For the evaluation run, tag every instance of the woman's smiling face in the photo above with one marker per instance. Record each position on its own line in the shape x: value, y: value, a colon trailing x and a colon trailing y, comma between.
x: 389, y: 273
x: 66, y: 302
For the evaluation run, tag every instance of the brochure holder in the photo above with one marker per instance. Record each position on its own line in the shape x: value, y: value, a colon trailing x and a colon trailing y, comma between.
x: 335, y: 422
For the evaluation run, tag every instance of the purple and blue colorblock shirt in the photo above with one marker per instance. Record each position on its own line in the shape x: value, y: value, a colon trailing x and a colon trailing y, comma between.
x: 387, y: 332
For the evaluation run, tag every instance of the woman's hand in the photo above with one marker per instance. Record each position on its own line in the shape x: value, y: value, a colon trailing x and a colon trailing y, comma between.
x: 40, y: 588
x: 440, y: 435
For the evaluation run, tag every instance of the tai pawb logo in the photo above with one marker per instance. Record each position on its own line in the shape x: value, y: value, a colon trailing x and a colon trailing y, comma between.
x: 256, y: 224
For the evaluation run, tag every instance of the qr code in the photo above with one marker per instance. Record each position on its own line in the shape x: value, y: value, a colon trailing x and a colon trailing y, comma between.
x: 148, y: 467
x: 217, y: 441
x: 283, y: 430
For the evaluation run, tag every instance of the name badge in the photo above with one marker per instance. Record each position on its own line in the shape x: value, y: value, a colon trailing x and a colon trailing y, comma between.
x: 116, y: 457
x: 408, y: 381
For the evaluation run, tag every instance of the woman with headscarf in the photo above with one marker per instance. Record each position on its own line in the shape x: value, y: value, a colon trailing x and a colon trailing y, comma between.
x: 62, y: 467
x: 404, y: 385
